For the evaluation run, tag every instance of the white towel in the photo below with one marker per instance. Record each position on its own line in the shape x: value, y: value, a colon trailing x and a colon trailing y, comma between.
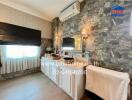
x: 108, y: 84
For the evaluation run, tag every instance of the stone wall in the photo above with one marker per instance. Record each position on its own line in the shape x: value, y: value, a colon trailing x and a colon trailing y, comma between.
x: 45, y: 42
x: 109, y: 40
x: 110, y: 35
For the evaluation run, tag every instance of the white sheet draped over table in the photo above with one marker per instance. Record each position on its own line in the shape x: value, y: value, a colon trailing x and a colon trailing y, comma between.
x: 108, y: 84
x: 17, y: 64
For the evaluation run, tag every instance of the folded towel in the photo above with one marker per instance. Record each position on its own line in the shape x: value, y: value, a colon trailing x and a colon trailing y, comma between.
x: 108, y: 84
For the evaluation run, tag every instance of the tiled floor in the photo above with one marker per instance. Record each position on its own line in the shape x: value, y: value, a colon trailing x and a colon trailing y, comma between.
x: 31, y: 87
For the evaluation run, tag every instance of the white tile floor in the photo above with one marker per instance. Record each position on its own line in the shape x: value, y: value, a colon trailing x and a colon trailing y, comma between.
x: 31, y: 87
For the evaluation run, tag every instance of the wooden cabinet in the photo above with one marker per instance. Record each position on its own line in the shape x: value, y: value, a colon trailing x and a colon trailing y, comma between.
x: 53, y: 72
x: 71, y: 80
x: 45, y: 68
x: 65, y: 78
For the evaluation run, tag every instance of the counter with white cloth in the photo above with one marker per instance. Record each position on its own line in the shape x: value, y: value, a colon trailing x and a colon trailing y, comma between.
x: 108, y: 84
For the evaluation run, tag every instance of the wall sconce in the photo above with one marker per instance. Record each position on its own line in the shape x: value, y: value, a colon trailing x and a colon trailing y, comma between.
x: 58, y: 38
x: 86, y: 31
x: 84, y: 35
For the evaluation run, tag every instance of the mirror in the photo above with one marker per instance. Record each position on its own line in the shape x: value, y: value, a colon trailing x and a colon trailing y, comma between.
x: 78, y: 42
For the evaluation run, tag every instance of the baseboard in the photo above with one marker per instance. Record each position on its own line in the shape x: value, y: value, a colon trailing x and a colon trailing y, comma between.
x: 19, y: 73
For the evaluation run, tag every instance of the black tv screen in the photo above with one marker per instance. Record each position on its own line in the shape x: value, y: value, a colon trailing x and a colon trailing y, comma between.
x: 68, y: 42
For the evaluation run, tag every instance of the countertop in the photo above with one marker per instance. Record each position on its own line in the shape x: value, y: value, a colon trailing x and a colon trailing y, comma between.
x: 61, y: 63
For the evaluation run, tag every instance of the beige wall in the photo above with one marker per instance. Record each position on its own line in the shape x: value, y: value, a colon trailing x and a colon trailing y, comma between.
x: 13, y: 16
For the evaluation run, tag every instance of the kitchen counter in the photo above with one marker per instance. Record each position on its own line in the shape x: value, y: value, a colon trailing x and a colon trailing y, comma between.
x: 61, y: 62
x: 69, y: 77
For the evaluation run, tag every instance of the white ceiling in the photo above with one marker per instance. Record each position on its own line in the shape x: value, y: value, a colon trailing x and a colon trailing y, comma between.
x: 46, y: 9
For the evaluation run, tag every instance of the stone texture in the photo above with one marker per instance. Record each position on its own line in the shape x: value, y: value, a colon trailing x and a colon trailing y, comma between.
x: 112, y: 44
x: 111, y: 34
x: 45, y: 42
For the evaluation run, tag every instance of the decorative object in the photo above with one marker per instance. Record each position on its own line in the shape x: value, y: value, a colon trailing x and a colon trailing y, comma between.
x: 56, y: 57
x: 49, y: 50
x: 87, y: 36
x: 117, y: 11
x: 69, y: 60
x: 87, y: 28
x: 84, y: 34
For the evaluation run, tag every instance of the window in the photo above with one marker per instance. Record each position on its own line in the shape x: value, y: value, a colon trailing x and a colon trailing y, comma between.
x: 18, y: 51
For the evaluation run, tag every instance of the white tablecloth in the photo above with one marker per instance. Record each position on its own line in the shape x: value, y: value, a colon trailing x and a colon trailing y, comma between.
x: 108, y: 84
